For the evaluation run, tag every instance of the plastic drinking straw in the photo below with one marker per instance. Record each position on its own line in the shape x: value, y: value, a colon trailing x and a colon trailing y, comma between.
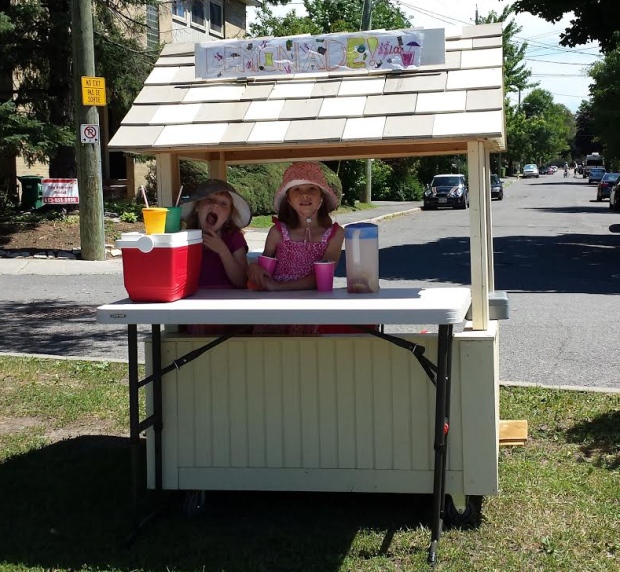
x: 179, y: 196
x: 146, y: 202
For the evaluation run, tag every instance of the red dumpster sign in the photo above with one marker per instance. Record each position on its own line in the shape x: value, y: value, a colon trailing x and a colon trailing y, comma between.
x: 60, y: 191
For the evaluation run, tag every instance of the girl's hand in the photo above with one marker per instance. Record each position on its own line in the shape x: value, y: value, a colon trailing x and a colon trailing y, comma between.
x: 257, y: 274
x: 212, y: 241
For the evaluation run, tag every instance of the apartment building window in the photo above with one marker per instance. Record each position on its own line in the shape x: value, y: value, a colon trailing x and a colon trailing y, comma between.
x: 152, y: 26
x: 178, y: 10
x: 216, y: 17
x: 198, y: 14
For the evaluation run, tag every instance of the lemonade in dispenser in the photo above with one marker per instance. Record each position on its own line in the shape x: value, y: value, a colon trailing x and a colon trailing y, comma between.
x: 362, y: 257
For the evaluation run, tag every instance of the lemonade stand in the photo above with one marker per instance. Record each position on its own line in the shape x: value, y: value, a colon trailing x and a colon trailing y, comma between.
x: 360, y: 412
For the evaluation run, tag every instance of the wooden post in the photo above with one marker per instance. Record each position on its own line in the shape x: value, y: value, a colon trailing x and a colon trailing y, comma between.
x: 92, y: 234
x: 478, y: 206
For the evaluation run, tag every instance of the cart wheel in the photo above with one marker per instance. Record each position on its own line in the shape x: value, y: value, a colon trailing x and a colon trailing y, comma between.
x: 194, y: 503
x: 471, y: 515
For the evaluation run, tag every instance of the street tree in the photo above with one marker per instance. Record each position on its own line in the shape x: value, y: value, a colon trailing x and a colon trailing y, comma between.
x: 594, y: 20
x: 605, y: 94
x: 37, y: 52
x: 586, y: 140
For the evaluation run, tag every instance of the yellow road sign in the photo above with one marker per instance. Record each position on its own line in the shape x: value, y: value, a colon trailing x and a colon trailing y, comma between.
x: 93, y: 91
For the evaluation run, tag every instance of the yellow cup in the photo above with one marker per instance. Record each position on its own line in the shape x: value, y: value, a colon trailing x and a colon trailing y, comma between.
x: 154, y: 220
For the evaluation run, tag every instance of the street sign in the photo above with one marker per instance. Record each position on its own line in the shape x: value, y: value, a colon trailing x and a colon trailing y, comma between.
x: 93, y: 91
x: 89, y: 133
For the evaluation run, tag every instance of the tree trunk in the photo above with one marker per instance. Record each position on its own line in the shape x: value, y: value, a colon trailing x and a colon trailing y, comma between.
x: 61, y: 108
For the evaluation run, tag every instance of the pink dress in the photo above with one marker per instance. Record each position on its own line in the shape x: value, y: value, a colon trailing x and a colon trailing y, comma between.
x: 296, y: 260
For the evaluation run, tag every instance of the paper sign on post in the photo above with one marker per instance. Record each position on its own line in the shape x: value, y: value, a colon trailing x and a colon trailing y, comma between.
x: 60, y: 191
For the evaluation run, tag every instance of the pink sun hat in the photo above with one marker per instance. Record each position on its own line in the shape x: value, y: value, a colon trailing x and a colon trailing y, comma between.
x: 306, y: 174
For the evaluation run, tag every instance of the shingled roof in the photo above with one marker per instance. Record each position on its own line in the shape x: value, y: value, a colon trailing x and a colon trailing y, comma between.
x: 433, y: 110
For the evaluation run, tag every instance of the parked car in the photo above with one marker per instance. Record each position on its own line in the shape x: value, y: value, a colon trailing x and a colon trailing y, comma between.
x: 447, y: 191
x: 595, y: 175
x: 497, y: 188
x: 614, y: 197
x: 530, y: 170
x: 554, y: 169
x: 604, y: 187
x: 544, y: 170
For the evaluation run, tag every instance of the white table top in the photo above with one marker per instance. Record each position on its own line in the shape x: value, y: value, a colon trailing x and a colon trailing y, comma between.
x: 388, y: 306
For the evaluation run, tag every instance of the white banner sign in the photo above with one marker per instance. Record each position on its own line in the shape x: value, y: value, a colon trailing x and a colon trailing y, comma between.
x: 392, y: 50
x: 60, y: 191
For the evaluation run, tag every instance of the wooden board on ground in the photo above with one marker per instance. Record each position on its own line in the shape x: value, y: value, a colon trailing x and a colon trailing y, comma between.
x: 512, y: 432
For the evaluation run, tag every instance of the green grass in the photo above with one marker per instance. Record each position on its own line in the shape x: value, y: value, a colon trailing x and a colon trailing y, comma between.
x: 66, y: 505
x: 265, y: 221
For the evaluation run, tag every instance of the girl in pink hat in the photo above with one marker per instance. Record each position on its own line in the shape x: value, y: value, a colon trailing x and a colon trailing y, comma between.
x: 303, y: 231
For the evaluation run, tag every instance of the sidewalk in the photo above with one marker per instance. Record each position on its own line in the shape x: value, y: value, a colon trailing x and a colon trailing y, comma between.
x: 254, y: 237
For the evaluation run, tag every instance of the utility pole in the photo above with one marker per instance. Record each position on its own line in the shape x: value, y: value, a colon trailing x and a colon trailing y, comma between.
x: 92, y: 234
x: 366, y: 24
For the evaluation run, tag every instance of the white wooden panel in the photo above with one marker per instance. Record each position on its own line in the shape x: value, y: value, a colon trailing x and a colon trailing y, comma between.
x: 291, y: 407
x: 273, y: 401
x: 364, y: 411
x: 350, y: 405
x: 400, y: 372
x: 194, y: 372
x: 382, y: 411
x: 186, y: 407
x: 345, y: 400
x: 328, y: 426
x: 480, y: 410
x: 220, y: 410
x: 257, y: 454
x: 309, y: 402
x: 237, y: 380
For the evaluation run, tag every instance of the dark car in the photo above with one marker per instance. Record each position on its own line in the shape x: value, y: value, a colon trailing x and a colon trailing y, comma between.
x: 447, y: 191
x: 497, y: 188
x: 595, y: 175
x: 604, y: 187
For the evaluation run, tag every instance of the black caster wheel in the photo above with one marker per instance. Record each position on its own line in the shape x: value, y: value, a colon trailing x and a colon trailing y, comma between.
x: 194, y: 503
x: 470, y: 517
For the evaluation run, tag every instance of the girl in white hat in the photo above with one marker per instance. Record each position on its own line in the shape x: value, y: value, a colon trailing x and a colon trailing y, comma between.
x: 221, y: 213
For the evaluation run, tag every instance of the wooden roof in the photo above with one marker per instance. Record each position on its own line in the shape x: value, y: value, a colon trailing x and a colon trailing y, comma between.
x: 435, y: 109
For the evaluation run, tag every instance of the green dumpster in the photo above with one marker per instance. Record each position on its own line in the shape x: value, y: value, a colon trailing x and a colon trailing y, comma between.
x: 32, y: 192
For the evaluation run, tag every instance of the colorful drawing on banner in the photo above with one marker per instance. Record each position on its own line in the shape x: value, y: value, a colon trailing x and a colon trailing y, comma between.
x: 389, y: 51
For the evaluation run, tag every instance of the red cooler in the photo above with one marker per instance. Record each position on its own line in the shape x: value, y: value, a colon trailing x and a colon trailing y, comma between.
x: 161, y: 267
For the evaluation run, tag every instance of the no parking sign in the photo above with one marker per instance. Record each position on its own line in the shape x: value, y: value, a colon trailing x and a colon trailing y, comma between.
x: 89, y: 133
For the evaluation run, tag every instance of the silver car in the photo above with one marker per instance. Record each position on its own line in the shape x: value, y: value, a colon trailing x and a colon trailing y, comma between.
x: 530, y: 170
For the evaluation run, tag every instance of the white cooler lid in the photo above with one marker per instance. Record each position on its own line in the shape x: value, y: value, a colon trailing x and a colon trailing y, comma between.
x: 146, y: 242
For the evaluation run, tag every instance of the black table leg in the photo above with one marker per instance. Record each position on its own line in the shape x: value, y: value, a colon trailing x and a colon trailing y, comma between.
x: 157, y: 403
x: 134, y: 415
x: 442, y: 414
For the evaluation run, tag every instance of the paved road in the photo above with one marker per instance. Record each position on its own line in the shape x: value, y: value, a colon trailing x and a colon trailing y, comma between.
x: 556, y: 253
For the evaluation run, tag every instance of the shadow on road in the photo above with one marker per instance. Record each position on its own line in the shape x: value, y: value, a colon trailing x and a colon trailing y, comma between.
x: 55, y: 327
x: 576, y: 209
x: 575, y: 263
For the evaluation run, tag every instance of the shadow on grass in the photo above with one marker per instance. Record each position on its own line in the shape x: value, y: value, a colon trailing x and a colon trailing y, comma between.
x: 599, y: 439
x: 68, y: 506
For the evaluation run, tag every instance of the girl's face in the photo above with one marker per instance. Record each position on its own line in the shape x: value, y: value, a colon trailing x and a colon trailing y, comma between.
x: 214, y: 211
x: 305, y: 199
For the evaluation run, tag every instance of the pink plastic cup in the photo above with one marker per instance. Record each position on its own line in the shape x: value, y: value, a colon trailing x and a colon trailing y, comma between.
x: 324, y: 272
x: 268, y: 263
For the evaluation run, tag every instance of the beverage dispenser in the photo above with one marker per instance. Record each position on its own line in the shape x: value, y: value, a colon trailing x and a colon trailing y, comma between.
x: 362, y: 257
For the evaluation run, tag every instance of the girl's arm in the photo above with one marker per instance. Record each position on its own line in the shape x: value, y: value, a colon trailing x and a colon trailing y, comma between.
x: 236, y: 266
x: 334, y: 248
